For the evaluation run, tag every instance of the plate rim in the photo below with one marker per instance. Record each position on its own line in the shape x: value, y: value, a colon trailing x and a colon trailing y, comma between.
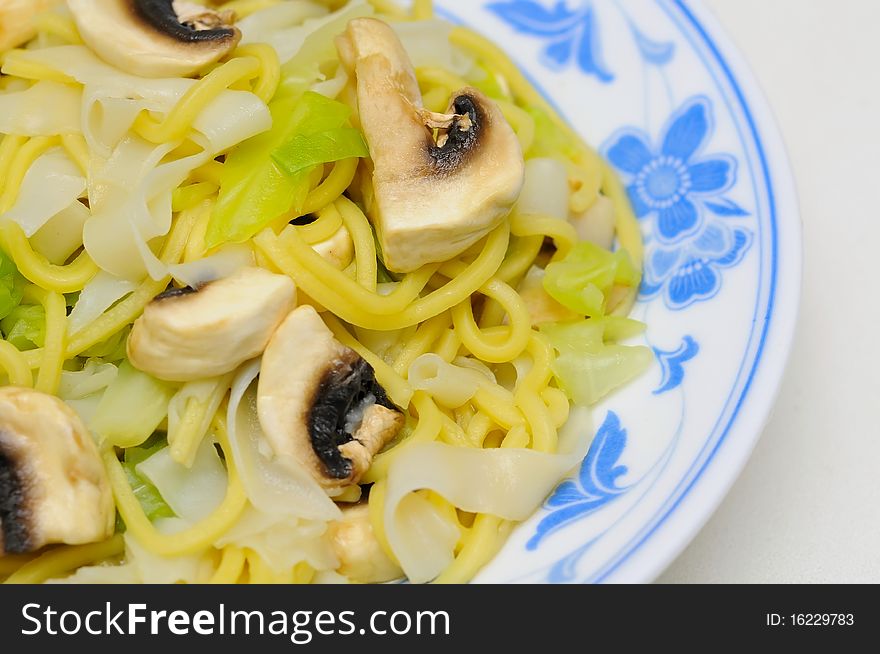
x: 690, y: 511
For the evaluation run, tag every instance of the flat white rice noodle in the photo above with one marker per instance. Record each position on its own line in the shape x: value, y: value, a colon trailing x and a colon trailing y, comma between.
x: 132, y: 206
x: 98, y: 295
x: 45, y: 109
x: 231, y: 118
x: 276, y: 487
x: 192, y: 493
x: 509, y: 483
x: 51, y: 184
x: 427, y: 44
x: 224, y: 263
x: 61, y: 236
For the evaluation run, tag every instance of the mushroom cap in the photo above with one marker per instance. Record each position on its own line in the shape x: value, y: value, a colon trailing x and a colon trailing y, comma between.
x: 185, y: 335
x: 155, y: 38
x: 312, y: 393
x: 433, y: 200
x: 53, y: 486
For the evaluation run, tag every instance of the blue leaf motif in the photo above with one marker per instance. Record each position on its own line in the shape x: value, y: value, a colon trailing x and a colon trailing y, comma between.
x: 672, y: 364
x: 530, y: 17
x: 725, y: 207
x: 656, y: 53
x: 742, y: 240
x: 598, y: 475
x: 595, y: 485
x: 573, y: 35
x: 590, y: 51
x: 558, y: 53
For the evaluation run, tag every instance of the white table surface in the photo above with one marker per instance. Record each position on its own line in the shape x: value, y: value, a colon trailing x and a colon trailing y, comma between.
x: 807, y: 506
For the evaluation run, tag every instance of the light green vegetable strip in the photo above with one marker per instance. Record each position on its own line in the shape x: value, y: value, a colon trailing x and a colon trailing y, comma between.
x: 549, y: 141
x: 304, y: 151
x: 151, y: 501
x: 25, y: 326
x: 588, y: 366
x: 583, y: 280
x: 131, y: 409
x: 11, y: 285
x: 267, y: 176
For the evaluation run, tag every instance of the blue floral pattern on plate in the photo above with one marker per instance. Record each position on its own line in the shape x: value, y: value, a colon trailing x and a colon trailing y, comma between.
x: 573, y: 34
x: 667, y: 182
x: 595, y: 485
x: 672, y: 363
x: 680, y: 133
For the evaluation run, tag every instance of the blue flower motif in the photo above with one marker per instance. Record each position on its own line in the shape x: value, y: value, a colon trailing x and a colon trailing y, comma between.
x: 595, y: 485
x: 692, y: 272
x: 671, y: 181
x: 672, y: 363
x: 572, y: 34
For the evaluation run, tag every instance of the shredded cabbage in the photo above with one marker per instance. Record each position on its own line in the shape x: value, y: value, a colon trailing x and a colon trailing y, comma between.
x: 191, y: 493
x: 585, y: 277
x: 545, y: 190
x: 151, y: 500
x: 428, y: 44
x: 589, y: 365
x: 25, y: 326
x: 11, y: 287
x: 82, y: 389
x: 254, y: 189
x: 133, y: 406
x: 306, y: 47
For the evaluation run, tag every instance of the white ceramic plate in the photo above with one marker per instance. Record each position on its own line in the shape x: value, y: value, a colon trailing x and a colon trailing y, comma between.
x: 658, y: 88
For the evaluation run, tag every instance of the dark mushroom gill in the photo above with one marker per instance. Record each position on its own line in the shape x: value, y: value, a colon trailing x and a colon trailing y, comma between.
x: 15, y: 536
x: 160, y: 15
x: 342, y: 389
x: 460, y: 143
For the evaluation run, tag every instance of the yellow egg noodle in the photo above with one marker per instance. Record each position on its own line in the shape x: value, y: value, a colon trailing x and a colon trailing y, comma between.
x: 111, y: 185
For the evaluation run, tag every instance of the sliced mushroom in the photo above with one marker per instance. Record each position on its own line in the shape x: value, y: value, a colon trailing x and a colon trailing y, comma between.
x: 596, y: 224
x: 155, y: 38
x: 319, y: 402
x: 189, y: 334
x: 441, y: 181
x: 361, y: 557
x: 53, y: 486
x: 17, y: 20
